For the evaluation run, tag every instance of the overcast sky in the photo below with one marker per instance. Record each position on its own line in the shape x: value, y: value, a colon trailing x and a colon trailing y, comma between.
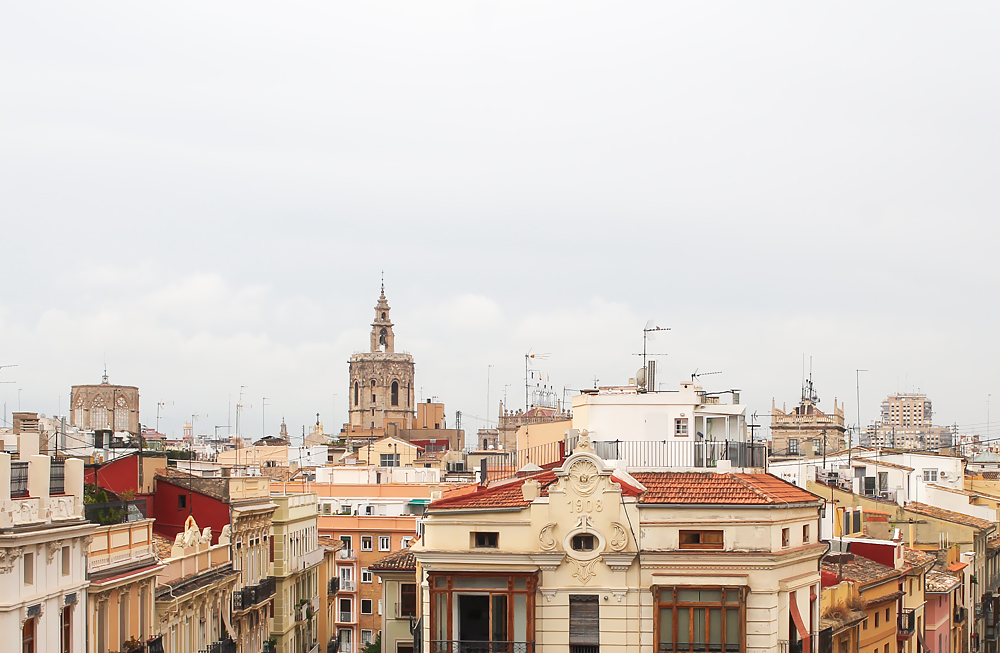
x: 204, y: 195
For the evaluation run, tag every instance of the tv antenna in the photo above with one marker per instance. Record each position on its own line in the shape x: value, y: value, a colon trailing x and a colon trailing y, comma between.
x: 529, y: 357
x: 697, y: 376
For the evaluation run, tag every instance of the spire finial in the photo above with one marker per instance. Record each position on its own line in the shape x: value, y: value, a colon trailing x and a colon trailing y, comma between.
x: 104, y: 379
x: 383, y: 283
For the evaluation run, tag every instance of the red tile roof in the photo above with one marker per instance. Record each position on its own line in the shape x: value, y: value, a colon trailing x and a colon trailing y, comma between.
x: 725, y: 489
x: 948, y: 515
x: 661, y: 488
x: 502, y: 495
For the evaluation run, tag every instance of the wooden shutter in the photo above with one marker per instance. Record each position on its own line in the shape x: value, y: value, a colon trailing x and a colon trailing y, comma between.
x: 584, y: 619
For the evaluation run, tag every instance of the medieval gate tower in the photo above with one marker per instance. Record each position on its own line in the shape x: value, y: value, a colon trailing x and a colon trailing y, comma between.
x: 381, y: 390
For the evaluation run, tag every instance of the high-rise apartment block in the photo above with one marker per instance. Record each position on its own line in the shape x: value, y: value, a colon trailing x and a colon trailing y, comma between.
x: 904, y: 409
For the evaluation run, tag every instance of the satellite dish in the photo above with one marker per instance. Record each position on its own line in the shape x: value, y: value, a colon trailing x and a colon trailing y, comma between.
x: 640, y: 377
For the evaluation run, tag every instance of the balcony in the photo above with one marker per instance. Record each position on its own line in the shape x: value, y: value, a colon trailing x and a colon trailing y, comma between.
x: 906, y: 624
x: 961, y: 613
x: 683, y: 454
x: 221, y: 646
x: 346, y: 554
x: 333, y: 586
x: 345, y: 617
x: 120, y: 544
x: 115, y: 512
x: 798, y: 646
x: 254, y: 595
x: 346, y: 585
x: 466, y: 646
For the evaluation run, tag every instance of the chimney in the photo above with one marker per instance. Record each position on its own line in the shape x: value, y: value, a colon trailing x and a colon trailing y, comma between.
x: 530, y: 489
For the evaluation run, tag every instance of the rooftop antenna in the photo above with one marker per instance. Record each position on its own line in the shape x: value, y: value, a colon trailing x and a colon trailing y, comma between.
x: 696, y: 375
x: 649, y: 333
x: 528, y: 357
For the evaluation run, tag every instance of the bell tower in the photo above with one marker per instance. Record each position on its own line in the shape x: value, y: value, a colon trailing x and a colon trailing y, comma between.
x: 381, y: 393
x: 382, y: 338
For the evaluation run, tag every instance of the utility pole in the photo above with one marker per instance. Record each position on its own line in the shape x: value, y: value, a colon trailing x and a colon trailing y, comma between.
x: 850, y: 448
x: 488, y: 368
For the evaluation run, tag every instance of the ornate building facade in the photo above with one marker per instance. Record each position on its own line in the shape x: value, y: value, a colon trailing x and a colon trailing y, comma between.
x: 43, y: 551
x: 588, y: 556
x: 381, y: 390
x: 806, y: 429
x: 105, y: 407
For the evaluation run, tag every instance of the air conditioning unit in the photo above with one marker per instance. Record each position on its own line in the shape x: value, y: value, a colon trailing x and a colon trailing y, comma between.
x: 943, y: 475
x: 327, y: 509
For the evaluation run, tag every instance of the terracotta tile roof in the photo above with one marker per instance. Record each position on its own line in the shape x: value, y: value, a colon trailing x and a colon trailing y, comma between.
x: 680, y: 488
x: 507, y: 493
x: 968, y: 493
x: 938, y: 581
x: 162, y: 546
x: 330, y: 542
x: 715, y: 488
x: 914, y: 558
x: 862, y: 570
x: 948, y: 515
x: 501, y: 495
x: 398, y: 561
x: 880, y: 463
x: 993, y: 541
x: 957, y: 566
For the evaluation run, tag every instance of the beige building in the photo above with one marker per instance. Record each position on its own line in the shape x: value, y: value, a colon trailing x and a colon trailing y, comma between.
x: 587, y: 556
x: 381, y: 390
x: 297, y: 558
x: 398, y: 572
x: 122, y: 566
x: 194, y: 593
x: 907, y: 423
x: 251, y: 510
x: 806, y: 430
x: 105, y: 407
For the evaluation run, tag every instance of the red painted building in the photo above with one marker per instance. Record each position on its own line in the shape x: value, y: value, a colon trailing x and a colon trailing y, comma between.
x: 122, y: 475
x: 176, y: 499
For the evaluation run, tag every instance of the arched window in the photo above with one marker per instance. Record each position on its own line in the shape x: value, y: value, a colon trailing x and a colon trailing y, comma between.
x: 383, y: 315
x: 99, y: 418
x: 356, y: 387
x: 382, y: 337
x: 373, y: 383
x: 395, y: 393
x: 121, y: 415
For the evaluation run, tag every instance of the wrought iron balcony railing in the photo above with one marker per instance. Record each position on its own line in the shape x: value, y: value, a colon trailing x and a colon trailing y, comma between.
x: 466, y: 646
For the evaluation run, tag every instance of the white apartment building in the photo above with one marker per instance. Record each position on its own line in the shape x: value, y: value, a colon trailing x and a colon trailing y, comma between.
x: 43, y: 552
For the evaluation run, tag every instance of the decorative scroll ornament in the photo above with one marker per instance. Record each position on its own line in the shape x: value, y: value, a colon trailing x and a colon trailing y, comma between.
x: 545, y: 539
x: 585, y: 569
x: 619, y: 537
x: 8, y: 557
x: 584, y: 477
x: 51, y: 549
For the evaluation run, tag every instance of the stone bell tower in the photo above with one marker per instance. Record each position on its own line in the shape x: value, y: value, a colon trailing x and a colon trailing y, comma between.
x: 381, y: 390
x: 382, y: 337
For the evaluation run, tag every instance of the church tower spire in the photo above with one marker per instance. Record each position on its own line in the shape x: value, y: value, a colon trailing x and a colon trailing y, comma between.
x: 382, y: 339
